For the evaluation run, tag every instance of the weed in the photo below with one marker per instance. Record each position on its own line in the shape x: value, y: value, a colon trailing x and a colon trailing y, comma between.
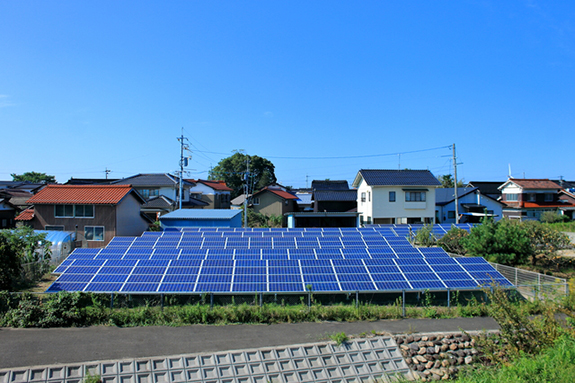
x: 339, y: 338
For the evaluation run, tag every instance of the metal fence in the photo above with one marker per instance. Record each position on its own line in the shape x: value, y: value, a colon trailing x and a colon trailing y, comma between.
x: 531, y: 284
x: 534, y: 285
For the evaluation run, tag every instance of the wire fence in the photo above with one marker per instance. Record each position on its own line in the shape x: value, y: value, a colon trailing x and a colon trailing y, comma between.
x: 531, y: 284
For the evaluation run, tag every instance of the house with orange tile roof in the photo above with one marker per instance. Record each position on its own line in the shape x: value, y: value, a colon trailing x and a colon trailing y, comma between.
x: 273, y: 201
x: 527, y: 199
x: 96, y: 213
x: 215, y: 193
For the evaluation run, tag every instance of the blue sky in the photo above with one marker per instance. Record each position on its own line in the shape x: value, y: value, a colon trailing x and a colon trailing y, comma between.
x: 322, y: 89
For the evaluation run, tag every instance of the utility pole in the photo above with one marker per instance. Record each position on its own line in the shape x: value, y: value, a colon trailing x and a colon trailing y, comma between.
x: 246, y: 190
x: 455, y: 186
x: 182, y: 164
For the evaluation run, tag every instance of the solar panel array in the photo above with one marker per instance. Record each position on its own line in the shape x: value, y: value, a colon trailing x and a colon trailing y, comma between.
x: 210, y: 260
x: 438, y: 230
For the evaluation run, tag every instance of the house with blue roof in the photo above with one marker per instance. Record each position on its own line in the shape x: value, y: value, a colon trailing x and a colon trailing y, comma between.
x: 395, y: 196
x: 473, y: 205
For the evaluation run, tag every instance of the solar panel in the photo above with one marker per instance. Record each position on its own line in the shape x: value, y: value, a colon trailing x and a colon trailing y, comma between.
x: 266, y: 260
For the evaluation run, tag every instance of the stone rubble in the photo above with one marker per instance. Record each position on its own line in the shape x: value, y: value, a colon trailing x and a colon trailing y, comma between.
x: 439, y: 356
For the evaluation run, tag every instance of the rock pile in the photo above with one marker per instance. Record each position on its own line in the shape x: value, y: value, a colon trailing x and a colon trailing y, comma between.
x: 438, y: 356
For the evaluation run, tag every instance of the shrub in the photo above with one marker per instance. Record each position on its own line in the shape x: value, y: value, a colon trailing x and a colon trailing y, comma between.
x: 452, y: 240
x: 424, y: 236
x: 505, y: 242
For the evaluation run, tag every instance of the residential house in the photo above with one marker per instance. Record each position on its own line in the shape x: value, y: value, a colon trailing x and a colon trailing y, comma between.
x: 395, y: 196
x: 487, y: 188
x: 7, y: 213
x: 153, y: 185
x: 473, y: 205
x: 333, y: 196
x: 95, y: 213
x: 527, y: 199
x: 273, y: 201
x: 216, y: 194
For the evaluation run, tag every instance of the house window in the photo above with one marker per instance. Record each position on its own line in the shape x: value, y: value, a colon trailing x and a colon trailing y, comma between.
x: 391, y: 196
x: 531, y: 197
x: 512, y: 197
x: 451, y: 214
x: 71, y: 211
x: 149, y: 193
x: 94, y: 233
x: 256, y: 200
x: 54, y: 227
x: 363, y: 197
x: 548, y: 197
x: 415, y: 196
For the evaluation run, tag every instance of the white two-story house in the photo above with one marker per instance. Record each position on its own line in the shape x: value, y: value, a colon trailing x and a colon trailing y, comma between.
x: 395, y: 196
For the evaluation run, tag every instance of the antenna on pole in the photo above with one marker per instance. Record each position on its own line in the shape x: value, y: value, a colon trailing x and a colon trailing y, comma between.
x: 107, y: 171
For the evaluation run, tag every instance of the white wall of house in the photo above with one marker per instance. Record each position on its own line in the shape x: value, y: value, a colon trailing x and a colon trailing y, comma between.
x: 377, y: 203
x: 200, y: 188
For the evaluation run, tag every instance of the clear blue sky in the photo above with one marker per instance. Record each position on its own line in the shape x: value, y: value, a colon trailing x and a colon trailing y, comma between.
x: 321, y: 88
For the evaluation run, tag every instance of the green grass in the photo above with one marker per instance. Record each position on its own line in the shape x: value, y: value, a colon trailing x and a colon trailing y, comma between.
x: 554, y: 365
x: 563, y: 226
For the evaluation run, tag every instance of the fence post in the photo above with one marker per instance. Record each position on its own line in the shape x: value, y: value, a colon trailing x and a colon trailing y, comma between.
x: 112, y: 300
x: 448, y: 298
x: 211, y: 301
x: 516, y: 271
x: 162, y: 302
x: 403, y: 303
x: 261, y: 299
x: 356, y: 299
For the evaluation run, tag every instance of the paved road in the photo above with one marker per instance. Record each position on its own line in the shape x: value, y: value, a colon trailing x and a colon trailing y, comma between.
x: 35, y: 347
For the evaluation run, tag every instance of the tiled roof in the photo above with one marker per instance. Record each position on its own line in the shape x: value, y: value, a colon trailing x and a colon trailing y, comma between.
x: 159, y: 202
x: 330, y: 185
x: 26, y: 215
x: 335, y: 195
x: 216, y: 185
x: 397, y: 178
x: 443, y: 196
x: 278, y: 192
x: 151, y: 180
x: 81, y: 194
x: 535, y: 183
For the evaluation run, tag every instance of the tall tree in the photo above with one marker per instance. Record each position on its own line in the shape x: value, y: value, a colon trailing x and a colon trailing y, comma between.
x: 448, y: 182
x: 34, y: 177
x: 233, y: 169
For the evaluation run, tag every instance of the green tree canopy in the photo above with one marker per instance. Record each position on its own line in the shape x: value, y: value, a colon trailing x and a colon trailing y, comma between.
x: 233, y: 169
x: 34, y: 177
x: 448, y: 182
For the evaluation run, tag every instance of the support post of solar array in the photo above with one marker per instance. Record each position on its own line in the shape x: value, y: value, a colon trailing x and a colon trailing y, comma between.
x: 448, y: 298
x: 403, y: 303
x: 357, y: 299
x: 112, y: 300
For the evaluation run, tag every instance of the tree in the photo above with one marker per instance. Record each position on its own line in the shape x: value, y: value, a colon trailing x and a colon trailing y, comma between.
x: 34, y: 177
x: 447, y: 181
x: 233, y: 169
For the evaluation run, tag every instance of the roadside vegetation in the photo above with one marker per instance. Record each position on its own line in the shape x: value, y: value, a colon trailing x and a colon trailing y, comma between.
x: 529, y: 245
x: 24, y: 258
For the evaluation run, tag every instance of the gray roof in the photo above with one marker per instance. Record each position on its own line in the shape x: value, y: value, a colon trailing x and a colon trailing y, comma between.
x: 386, y: 177
x: 329, y: 185
x: 335, y: 195
x: 151, y: 180
x: 160, y: 202
x: 201, y: 214
x: 443, y: 196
